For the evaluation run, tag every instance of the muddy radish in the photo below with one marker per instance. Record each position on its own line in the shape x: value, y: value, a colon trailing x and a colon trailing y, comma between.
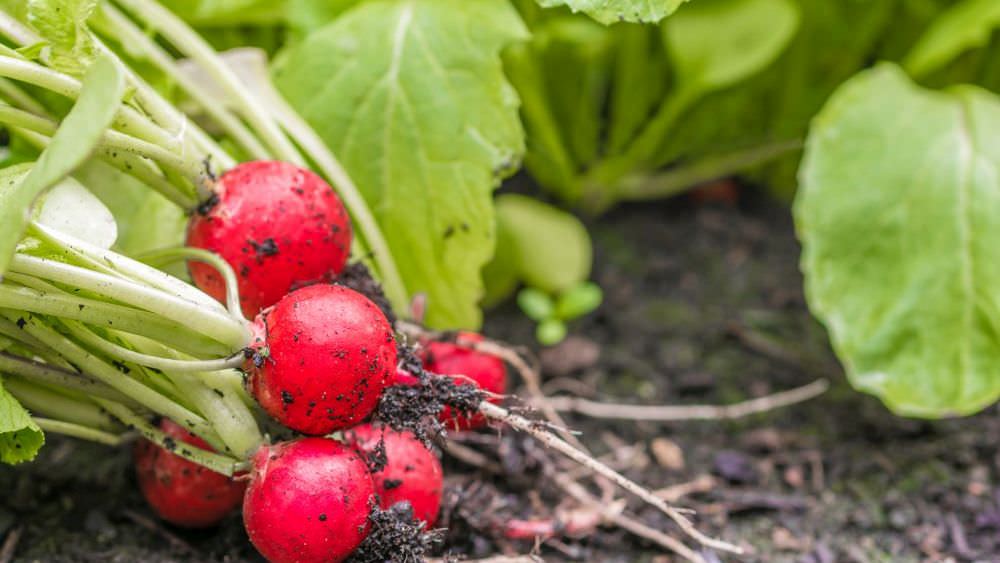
x: 322, y: 356
x: 411, y: 473
x: 179, y: 491
x: 279, y: 226
x: 308, y: 501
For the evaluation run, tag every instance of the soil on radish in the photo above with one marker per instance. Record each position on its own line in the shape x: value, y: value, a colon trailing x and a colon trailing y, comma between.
x: 703, y: 305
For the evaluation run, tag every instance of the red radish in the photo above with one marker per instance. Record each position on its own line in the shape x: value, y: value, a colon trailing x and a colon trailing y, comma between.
x: 308, y: 501
x: 323, y: 354
x: 465, y: 366
x: 411, y: 473
x: 279, y: 226
x: 179, y: 491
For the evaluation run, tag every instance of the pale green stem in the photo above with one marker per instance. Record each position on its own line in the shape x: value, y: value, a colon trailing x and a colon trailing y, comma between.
x: 127, y: 120
x: 95, y: 367
x: 187, y: 41
x: 45, y: 299
x: 127, y: 267
x: 57, y: 405
x: 217, y: 326
x: 55, y: 376
x: 165, y: 256
x: 77, y: 431
x: 219, y: 463
x: 127, y: 32
x: 156, y: 362
x: 22, y: 99
x: 111, y: 141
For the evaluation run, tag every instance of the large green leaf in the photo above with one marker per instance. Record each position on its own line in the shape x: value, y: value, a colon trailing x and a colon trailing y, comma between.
x: 20, y: 437
x: 965, y: 25
x: 74, y: 141
x: 412, y: 98
x: 899, y: 217
x: 611, y: 11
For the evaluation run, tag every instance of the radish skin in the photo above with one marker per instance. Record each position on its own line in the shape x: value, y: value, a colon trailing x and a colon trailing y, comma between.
x: 279, y: 226
x: 308, y: 501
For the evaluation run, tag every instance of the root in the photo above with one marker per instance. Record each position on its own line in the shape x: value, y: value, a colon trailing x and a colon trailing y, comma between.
x: 501, y: 414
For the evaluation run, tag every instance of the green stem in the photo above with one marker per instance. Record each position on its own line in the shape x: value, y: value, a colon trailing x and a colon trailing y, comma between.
x: 111, y: 141
x: 97, y: 368
x: 126, y: 267
x: 361, y: 215
x: 57, y: 405
x: 221, y: 403
x: 121, y: 27
x: 219, y: 463
x: 77, y: 431
x: 156, y: 362
x: 218, y: 326
x: 163, y: 257
x: 19, y: 97
x: 187, y: 41
x: 127, y: 119
x: 641, y: 151
x: 681, y: 179
x: 45, y: 299
x: 55, y: 376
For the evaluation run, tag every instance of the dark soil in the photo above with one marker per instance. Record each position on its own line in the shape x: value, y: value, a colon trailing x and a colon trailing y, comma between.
x: 703, y: 305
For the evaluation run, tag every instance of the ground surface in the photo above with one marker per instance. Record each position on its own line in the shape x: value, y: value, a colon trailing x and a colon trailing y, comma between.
x: 703, y: 306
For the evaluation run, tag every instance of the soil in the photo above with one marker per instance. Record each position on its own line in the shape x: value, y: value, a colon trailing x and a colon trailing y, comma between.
x: 703, y: 305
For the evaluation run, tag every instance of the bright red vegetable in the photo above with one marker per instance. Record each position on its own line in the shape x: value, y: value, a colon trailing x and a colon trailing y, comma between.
x: 464, y: 366
x: 308, y: 501
x: 411, y: 473
x: 179, y: 491
x: 323, y: 355
x: 279, y: 226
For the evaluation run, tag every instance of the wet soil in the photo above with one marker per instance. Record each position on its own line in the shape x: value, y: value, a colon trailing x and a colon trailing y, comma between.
x: 703, y: 305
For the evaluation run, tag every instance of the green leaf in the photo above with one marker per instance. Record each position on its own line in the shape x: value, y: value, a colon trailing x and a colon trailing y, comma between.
x: 63, y: 23
x: 20, y: 437
x: 714, y: 44
x: 412, y: 98
x: 611, y: 11
x: 536, y: 304
x: 553, y: 247
x: 897, y: 216
x: 74, y: 141
x: 550, y: 332
x: 578, y: 301
x: 964, y: 26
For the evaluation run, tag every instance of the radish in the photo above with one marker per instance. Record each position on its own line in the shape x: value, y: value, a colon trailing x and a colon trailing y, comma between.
x: 308, y: 501
x: 321, y: 357
x: 179, y: 491
x: 411, y: 472
x: 279, y: 226
x: 464, y: 366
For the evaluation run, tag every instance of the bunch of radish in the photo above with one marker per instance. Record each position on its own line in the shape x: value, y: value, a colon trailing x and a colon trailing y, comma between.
x: 318, y: 360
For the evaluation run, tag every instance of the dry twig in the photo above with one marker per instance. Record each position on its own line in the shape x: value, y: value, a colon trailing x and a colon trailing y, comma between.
x: 669, y: 413
x: 501, y: 414
x: 10, y: 545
